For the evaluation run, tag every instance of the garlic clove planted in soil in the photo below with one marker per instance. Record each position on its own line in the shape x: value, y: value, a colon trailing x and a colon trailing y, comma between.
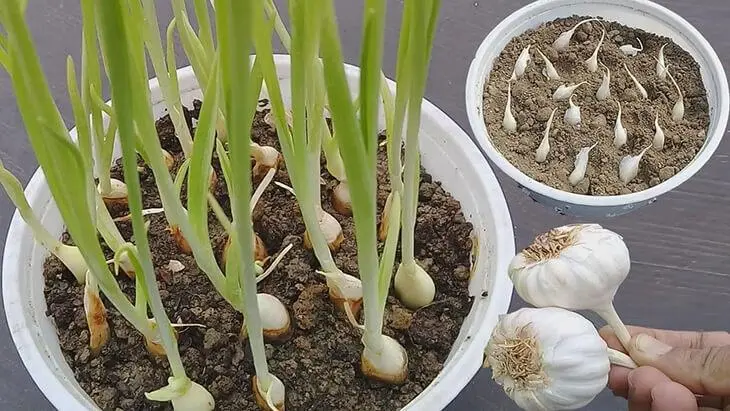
x: 116, y: 196
x: 389, y: 364
x: 619, y: 131
x: 563, y: 41
x: 549, y: 71
x: 544, y: 148
x: 413, y: 286
x: 96, y: 318
x: 275, y: 319
x: 271, y: 398
x: 661, y: 66
x: 572, y: 114
x: 604, y: 91
x: 521, y: 64
x: 152, y: 342
x: 265, y: 159
x: 331, y: 229
x: 185, y: 395
x: 580, y: 165
x: 629, y: 166
x: 638, y: 85
x: 576, y: 267
x: 508, y: 121
x: 341, y: 201
x: 592, y: 61
x: 548, y: 359
x: 563, y: 92
x: 658, y: 141
x: 169, y: 159
x: 678, y: 109
x: 630, y: 50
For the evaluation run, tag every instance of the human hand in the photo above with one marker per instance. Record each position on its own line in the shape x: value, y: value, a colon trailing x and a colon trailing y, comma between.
x: 678, y: 370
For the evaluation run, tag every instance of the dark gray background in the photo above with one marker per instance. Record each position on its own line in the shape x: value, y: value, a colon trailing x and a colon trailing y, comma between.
x: 680, y: 246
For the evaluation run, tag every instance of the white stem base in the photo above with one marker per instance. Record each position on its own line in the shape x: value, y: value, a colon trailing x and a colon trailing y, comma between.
x: 389, y: 364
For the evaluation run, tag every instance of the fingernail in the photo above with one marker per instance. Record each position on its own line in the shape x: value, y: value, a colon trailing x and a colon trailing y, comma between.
x: 650, y: 347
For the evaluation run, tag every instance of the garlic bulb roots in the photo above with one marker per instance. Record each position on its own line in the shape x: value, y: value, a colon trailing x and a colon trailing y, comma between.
x: 508, y: 121
x: 387, y: 363
x: 544, y: 148
x: 413, y: 286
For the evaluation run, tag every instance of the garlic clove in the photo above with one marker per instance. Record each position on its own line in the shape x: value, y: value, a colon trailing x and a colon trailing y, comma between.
x: 592, y: 62
x: 508, y: 122
x: 117, y: 194
x: 544, y: 148
x: 185, y: 395
x: 521, y: 64
x: 563, y: 92
x: 341, y: 201
x: 638, y: 85
x: 272, y: 398
x: 630, y: 50
x: 629, y: 166
x: 563, y: 41
x: 572, y: 114
x: 678, y: 109
x: 344, y: 289
x: 658, y: 141
x: 388, y: 364
x: 619, y: 131
x: 604, y: 91
x: 549, y: 71
x: 331, y: 229
x: 661, y: 67
x: 96, y: 318
x: 413, y: 285
x: 275, y: 320
x: 581, y: 164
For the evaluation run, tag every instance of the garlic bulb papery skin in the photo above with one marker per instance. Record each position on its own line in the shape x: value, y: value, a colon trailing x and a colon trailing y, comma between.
x: 548, y: 359
x: 271, y: 398
x: 576, y: 267
x: 564, y: 92
x: 542, y: 151
x: 628, y: 168
x: 563, y: 41
x: 619, y: 131
x: 581, y: 164
x: 387, y: 363
x: 413, y: 286
x: 678, y: 109
x: 185, y: 395
x: 604, y: 91
x: 592, y: 61
x: 549, y: 71
x: 638, y: 85
x: 521, y: 63
x: 630, y: 50
x: 508, y: 121
x: 661, y: 66
x: 572, y: 114
x: 658, y: 141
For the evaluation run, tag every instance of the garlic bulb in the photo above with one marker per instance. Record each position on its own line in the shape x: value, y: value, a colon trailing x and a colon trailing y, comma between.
x: 658, y: 141
x: 619, y: 131
x: 638, y: 85
x: 604, y: 91
x: 678, y: 109
x: 576, y: 267
x: 572, y: 114
x: 521, y: 64
x: 564, y: 92
x: 270, y: 398
x: 548, y: 359
x: 563, y: 41
x: 544, y: 148
x: 661, y: 67
x: 508, y: 122
x: 630, y: 50
x: 413, y: 285
x: 592, y: 61
x: 185, y: 395
x: 628, y: 168
x: 581, y: 163
x: 549, y: 71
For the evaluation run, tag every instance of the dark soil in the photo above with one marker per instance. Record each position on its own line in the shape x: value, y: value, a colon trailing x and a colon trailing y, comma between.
x: 320, y: 363
x: 532, y: 104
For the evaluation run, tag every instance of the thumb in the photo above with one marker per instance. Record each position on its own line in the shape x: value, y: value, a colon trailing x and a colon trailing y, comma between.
x: 705, y: 371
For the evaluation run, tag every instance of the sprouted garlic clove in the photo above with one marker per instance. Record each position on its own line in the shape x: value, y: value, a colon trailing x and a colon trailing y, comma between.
x: 630, y: 50
x: 272, y: 399
x: 581, y: 164
x: 619, y: 131
x: 544, y: 148
x: 508, y: 122
x: 275, y: 319
x: 96, y: 318
x: 658, y: 141
x: 521, y: 63
x: 169, y: 159
x: 413, y: 285
x: 389, y: 364
x: 265, y: 159
x: 331, y: 229
x: 592, y: 61
x: 572, y: 114
x: 116, y: 196
x: 549, y: 71
x: 344, y: 290
x: 629, y: 166
x: 341, y: 201
x: 180, y: 240
x: 638, y: 85
x: 563, y: 92
x: 678, y: 109
x: 604, y: 91
x: 563, y: 41
x: 661, y: 66
x: 185, y: 395
x: 152, y: 341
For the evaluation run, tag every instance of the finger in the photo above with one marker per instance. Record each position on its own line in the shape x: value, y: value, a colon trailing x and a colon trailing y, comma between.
x: 670, y: 396
x: 641, y: 382
x: 683, y: 339
x: 618, y: 381
x: 705, y: 371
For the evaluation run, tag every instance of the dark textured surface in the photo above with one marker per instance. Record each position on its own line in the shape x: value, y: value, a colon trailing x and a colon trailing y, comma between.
x: 680, y: 246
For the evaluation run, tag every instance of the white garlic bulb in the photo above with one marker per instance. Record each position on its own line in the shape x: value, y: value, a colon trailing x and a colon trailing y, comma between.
x: 521, y: 64
x: 581, y: 163
x: 549, y: 71
x: 564, y: 92
x: 630, y: 50
x: 563, y: 41
x: 572, y: 114
x: 604, y: 91
x: 638, y: 85
x: 592, y: 61
x: 628, y: 168
x: 661, y: 66
x: 678, y: 109
x: 548, y: 359
x: 508, y: 122
x: 619, y: 131
x: 576, y: 267
x: 658, y: 141
x: 544, y: 148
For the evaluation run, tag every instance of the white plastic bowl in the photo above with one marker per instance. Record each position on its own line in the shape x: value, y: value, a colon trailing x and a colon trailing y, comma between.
x: 448, y: 155
x: 641, y: 14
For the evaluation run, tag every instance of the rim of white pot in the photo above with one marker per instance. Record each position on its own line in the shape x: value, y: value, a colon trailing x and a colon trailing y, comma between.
x: 35, y: 336
x: 643, y: 14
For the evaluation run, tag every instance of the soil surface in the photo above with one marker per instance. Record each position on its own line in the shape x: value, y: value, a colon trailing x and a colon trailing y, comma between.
x: 532, y: 105
x: 320, y: 363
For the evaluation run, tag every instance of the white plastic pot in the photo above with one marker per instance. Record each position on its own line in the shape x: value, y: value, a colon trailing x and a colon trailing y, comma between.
x: 641, y: 14
x: 448, y: 154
